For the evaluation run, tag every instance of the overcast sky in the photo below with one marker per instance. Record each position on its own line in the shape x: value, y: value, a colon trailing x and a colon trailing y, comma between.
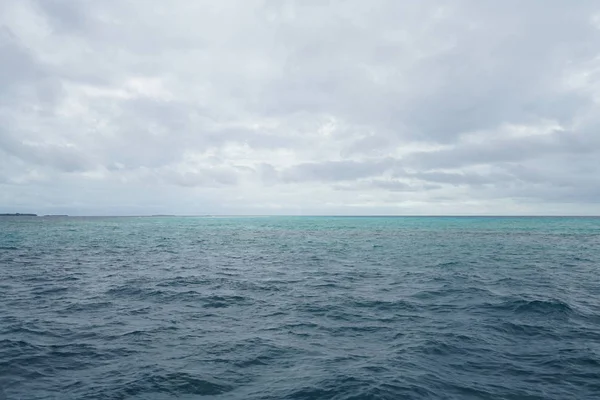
x: 299, y: 107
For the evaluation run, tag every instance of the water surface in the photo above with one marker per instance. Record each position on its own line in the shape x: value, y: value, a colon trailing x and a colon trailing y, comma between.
x: 300, y: 308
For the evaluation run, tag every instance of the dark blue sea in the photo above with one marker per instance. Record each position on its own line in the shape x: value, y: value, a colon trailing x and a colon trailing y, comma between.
x: 300, y: 308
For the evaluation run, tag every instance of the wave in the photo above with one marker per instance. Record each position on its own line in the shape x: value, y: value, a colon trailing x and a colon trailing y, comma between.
x: 512, y: 329
x: 538, y: 307
x: 174, y: 296
x: 171, y: 384
x: 384, y: 305
x: 223, y: 301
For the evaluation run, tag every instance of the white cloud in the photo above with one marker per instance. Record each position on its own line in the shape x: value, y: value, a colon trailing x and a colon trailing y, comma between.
x: 261, y: 106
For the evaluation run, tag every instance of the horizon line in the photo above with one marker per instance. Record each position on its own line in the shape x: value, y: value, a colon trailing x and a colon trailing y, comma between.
x: 303, y: 215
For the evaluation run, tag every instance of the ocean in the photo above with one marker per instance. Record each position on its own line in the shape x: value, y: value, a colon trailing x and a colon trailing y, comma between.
x: 300, y: 308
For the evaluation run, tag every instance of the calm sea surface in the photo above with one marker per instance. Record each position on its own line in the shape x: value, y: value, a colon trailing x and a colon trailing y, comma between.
x: 300, y: 308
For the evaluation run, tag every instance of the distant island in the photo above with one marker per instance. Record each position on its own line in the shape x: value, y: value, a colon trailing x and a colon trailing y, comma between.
x: 18, y: 215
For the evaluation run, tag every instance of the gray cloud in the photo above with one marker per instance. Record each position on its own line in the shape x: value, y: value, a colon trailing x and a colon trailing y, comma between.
x: 292, y: 106
x: 333, y: 171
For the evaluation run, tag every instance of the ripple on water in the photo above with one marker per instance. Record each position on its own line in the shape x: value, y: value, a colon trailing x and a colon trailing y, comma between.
x: 300, y: 308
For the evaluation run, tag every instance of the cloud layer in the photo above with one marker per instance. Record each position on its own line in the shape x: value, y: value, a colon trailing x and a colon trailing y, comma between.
x: 299, y: 107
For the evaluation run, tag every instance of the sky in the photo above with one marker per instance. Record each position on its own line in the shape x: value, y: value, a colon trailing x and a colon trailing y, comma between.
x: 308, y: 107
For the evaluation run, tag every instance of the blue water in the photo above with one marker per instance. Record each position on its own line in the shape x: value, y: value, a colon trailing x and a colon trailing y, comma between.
x: 300, y: 308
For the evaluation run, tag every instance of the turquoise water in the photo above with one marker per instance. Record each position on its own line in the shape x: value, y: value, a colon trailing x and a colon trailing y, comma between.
x: 300, y: 308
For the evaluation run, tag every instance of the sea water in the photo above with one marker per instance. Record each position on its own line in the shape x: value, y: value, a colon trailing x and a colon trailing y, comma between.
x: 300, y: 308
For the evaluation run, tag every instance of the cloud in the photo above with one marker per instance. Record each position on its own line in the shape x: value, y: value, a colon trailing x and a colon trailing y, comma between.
x: 290, y: 106
x: 334, y: 171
